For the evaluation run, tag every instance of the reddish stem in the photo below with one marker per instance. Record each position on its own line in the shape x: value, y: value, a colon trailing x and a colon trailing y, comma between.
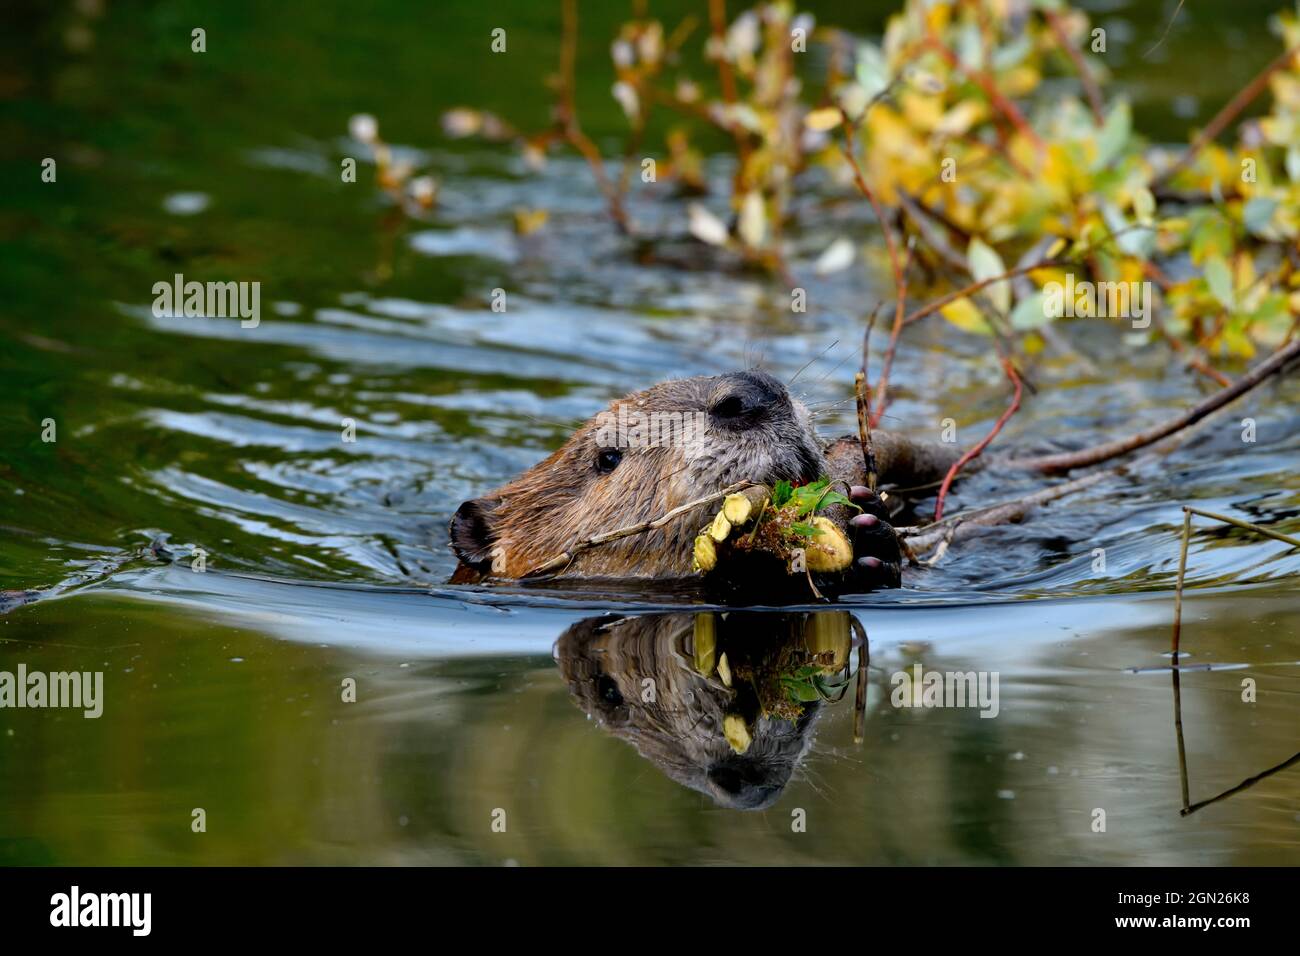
x: 974, y: 452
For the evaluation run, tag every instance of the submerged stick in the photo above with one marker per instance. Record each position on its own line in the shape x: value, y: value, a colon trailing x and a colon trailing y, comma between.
x: 949, y: 529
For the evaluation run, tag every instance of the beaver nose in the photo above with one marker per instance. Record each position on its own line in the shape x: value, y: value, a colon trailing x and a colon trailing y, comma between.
x: 742, y: 784
x: 746, y: 398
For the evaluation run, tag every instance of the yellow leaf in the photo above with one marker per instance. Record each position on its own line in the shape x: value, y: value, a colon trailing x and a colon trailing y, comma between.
x: 963, y: 314
x: 826, y: 118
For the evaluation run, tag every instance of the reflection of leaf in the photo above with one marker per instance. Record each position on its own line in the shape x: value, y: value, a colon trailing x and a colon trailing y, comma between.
x: 985, y: 263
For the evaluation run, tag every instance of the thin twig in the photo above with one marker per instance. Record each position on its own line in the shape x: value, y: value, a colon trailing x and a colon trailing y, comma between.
x: 718, y: 29
x: 564, y: 559
x: 985, y: 83
x: 931, y: 307
x: 1090, y: 88
x: 862, y: 393
x: 1246, y: 525
x: 887, y: 364
x: 567, y: 115
x: 848, y: 149
x: 1168, y: 26
x: 974, y: 451
x: 1228, y: 114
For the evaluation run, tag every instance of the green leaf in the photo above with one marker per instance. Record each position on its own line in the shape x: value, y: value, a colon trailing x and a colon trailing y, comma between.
x: 781, y: 493
x: 806, y: 530
x: 834, y: 498
x: 1031, y: 312
x: 1219, y: 278
x: 872, y: 72
x: 1257, y: 214
x: 1114, y: 136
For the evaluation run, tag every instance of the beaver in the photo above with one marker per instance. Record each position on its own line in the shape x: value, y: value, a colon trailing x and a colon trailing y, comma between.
x: 666, y: 446
x: 642, y: 679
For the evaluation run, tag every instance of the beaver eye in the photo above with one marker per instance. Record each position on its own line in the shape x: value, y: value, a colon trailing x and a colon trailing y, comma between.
x: 608, y: 460
x: 608, y: 691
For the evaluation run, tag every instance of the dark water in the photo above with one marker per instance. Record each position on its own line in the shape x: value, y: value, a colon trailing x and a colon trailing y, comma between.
x: 224, y: 690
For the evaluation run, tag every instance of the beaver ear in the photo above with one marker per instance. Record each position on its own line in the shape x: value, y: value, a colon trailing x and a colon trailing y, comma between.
x: 472, y: 537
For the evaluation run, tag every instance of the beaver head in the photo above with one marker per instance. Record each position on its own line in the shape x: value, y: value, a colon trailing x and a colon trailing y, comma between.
x: 643, y: 456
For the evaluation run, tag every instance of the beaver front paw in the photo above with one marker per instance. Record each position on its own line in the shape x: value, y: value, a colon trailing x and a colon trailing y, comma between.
x: 877, y: 551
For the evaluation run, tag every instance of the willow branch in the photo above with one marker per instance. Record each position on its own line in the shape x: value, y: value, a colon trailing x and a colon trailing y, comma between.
x: 1065, y: 461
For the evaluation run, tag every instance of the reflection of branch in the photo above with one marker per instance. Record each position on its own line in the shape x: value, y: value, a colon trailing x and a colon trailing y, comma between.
x: 1245, y: 784
x: 1188, y: 806
x: 860, y: 692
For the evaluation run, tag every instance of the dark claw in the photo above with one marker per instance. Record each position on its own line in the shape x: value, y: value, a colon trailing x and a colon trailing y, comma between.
x: 875, y: 545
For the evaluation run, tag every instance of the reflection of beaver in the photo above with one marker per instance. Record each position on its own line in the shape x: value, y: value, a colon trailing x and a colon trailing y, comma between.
x: 743, y: 426
x: 643, y: 679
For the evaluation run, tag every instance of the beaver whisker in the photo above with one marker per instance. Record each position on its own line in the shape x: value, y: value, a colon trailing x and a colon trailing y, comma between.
x: 815, y: 358
x: 838, y: 366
